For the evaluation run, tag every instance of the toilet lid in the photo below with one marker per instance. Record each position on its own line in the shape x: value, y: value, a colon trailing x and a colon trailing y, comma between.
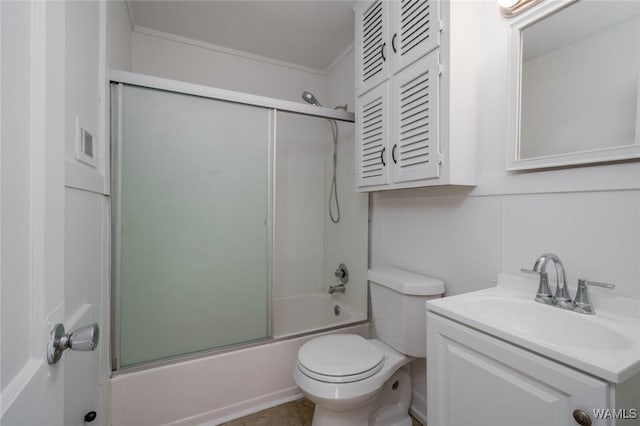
x: 340, y: 357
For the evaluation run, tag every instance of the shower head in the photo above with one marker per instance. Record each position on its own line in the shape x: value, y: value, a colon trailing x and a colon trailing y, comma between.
x: 310, y: 99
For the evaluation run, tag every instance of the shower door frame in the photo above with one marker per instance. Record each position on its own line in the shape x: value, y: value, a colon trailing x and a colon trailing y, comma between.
x: 117, y: 81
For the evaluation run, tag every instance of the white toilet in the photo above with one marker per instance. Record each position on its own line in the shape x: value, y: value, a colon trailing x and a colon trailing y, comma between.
x: 359, y: 382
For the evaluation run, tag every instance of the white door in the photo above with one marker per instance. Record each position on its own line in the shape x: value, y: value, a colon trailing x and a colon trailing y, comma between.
x: 416, y: 30
x: 47, y: 253
x: 372, y: 137
x: 415, y: 121
x: 372, y: 49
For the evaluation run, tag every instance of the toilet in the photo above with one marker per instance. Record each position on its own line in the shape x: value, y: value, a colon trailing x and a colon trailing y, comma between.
x: 358, y: 382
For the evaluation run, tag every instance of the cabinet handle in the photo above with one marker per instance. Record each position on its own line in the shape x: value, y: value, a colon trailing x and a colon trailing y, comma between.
x: 393, y: 42
x: 382, y: 51
x: 393, y: 153
x: 382, y: 156
x: 581, y: 418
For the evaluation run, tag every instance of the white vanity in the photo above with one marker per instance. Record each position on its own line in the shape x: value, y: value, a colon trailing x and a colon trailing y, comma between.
x: 498, y: 358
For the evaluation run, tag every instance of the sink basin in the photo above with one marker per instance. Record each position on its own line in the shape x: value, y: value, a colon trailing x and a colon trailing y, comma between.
x: 606, y: 345
x: 548, y: 324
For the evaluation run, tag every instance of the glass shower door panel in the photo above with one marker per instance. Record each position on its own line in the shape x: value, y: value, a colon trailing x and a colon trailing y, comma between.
x: 194, y: 224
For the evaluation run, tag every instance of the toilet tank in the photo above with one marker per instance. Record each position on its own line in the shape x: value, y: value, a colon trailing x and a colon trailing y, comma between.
x: 398, y: 307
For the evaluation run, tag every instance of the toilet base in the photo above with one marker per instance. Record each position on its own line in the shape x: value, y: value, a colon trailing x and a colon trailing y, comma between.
x: 389, y: 408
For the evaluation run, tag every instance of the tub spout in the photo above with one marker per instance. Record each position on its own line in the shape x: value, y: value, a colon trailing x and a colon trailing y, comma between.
x: 338, y: 288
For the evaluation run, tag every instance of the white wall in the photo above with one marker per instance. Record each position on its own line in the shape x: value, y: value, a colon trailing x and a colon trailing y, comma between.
x: 187, y: 60
x: 346, y: 241
x: 120, y: 34
x: 86, y: 205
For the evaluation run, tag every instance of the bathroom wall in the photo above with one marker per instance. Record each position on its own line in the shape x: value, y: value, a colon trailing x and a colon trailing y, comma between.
x: 178, y: 58
x: 120, y: 34
x: 346, y: 241
x: 589, y: 216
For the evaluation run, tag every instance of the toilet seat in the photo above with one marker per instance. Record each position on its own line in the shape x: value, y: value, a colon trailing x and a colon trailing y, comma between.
x: 340, y: 358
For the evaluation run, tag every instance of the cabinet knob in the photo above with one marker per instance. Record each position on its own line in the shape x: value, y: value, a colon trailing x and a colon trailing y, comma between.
x: 581, y: 418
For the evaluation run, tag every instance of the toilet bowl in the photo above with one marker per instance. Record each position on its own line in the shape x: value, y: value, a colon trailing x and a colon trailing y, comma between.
x: 359, y: 382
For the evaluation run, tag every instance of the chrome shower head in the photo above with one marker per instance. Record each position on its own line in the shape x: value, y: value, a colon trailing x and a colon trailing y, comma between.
x: 310, y: 99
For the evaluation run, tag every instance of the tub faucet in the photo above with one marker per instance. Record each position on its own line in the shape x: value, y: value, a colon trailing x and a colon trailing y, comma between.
x: 562, y: 297
x: 338, y: 288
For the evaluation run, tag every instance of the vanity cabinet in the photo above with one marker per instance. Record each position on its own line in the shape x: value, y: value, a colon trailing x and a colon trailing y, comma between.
x: 415, y: 106
x: 476, y: 379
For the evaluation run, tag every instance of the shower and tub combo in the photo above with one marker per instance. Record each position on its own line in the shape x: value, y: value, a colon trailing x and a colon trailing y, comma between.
x: 227, y: 230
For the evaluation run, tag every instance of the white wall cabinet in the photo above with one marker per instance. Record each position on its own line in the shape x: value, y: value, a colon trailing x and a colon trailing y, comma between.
x: 415, y: 118
x: 473, y: 378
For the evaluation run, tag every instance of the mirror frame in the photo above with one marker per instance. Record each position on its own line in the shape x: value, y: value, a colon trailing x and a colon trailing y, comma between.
x: 593, y: 156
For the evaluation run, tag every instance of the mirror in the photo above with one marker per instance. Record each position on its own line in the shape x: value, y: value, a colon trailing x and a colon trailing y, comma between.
x: 576, y: 84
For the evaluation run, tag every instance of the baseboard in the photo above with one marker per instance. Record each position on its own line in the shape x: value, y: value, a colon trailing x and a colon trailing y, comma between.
x: 418, y: 408
x: 235, y: 411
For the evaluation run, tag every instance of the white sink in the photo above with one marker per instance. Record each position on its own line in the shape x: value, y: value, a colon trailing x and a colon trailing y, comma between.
x: 552, y: 325
x: 606, y: 345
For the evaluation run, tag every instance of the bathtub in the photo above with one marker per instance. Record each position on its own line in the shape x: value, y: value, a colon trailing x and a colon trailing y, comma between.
x: 210, y: 390
x: 310, y: 312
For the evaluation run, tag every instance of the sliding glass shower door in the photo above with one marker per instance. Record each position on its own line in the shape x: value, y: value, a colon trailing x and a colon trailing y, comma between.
x: 192, y: 224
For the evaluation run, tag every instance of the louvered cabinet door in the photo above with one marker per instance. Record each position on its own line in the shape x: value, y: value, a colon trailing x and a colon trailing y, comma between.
x: 371, y: 44
x: 416, y: 30
x: 372, y: 130
x: 415, y: 147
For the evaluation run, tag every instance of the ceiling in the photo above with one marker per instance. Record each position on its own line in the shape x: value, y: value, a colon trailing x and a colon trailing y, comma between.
x: 309, y: 33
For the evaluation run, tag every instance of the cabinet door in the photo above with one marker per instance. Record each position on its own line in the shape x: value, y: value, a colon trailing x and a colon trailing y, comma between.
x: 415, y: 27
x: 372, y: 50
x: 372, y: 135
x: 415, y: 149
x: 475, y: 379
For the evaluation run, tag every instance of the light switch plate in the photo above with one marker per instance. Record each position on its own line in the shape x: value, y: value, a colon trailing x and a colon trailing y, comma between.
x: 86, y: 151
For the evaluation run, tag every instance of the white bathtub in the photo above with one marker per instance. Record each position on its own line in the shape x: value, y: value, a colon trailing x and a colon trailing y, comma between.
x: 213, y: 389
x: 310, y: 312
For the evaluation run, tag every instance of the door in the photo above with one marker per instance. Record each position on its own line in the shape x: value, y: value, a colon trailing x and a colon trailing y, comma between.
x: 371, y: 47
x: 372, y: 137
x: 416, y: 30
x: 45, y: 252
x: 415, y: 121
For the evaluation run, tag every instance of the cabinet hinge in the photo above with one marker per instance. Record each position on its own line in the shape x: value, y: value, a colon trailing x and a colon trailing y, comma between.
x: 440, y: 158
x: 440, y: 67
x: 440, y: 25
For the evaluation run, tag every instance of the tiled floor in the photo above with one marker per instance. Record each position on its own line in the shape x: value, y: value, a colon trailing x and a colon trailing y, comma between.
x: 296, y: 413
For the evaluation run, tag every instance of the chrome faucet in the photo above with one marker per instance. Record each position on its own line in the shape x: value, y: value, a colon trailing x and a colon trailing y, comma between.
x: 342, y: 273
x: 544, y: 295
x: 338, y: 288
x: 562, y: 297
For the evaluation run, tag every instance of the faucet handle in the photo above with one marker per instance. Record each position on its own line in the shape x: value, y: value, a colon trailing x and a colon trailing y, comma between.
x: 529, y: 271
x: 597, y: 284
x: 583, y: 299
